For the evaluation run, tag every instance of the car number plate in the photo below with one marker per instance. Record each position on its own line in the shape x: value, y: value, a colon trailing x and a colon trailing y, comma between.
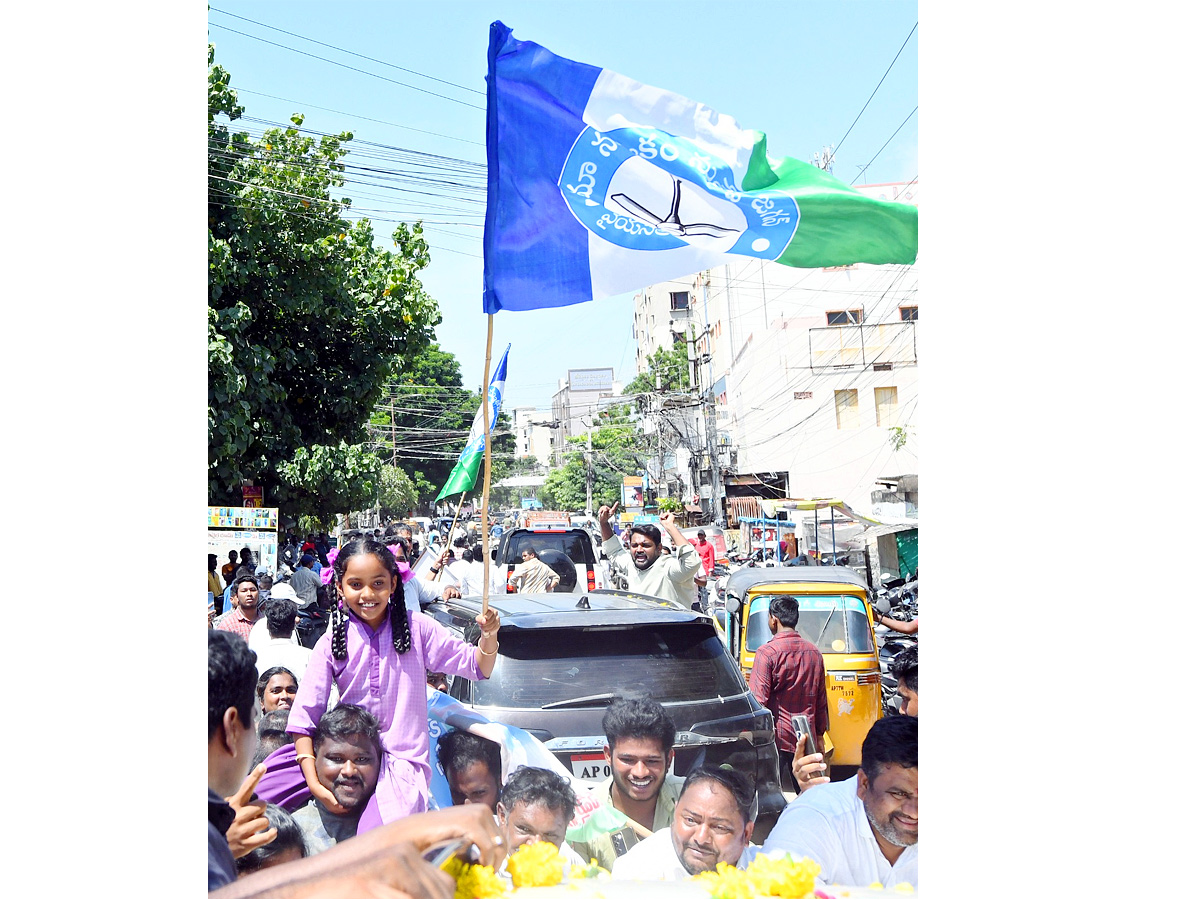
x: 590, y: 766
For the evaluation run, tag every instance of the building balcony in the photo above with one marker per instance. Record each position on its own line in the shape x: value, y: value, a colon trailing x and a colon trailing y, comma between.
x: 855, y: 346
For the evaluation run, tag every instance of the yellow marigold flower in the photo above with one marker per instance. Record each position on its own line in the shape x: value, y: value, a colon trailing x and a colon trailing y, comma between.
x: 905, y: 886
x: 536, y: 864
x: 764, y: 877
x: 474, y: 882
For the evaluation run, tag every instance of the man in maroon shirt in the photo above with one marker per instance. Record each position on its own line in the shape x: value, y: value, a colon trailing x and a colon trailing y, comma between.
x: 788, y: 678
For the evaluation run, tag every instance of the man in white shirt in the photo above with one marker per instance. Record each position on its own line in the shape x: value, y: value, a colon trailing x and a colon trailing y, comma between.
x: 713, y: 821
x: 647, y: 568
x: 279, y: 650
x: 467, y: 572
x: 864, y: 829
x: 259, y: 636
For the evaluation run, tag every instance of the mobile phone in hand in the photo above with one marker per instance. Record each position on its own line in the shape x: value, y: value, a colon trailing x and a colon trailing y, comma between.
x: 440, y: 853
x: 801, y: 727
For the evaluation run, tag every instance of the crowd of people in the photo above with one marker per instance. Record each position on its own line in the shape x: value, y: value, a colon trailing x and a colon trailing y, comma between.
x: 319, y: 756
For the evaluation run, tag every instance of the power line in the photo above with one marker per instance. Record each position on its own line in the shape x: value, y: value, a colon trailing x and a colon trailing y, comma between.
x: 381, y: 62
x: 340, y: 112
x: 351, y: 68
x: 869, y: 99
x: 885, y: 143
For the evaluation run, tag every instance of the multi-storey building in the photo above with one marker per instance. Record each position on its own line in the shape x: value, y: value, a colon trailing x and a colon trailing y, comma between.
x: 807, y: 377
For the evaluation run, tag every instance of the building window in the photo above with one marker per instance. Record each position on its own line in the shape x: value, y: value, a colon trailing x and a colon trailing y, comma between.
x: 679, y: 300
x: 908, y: 314
x: 885, y: 406
x: 844, y: 317
x: 845, y: 404
x: 677, y: 338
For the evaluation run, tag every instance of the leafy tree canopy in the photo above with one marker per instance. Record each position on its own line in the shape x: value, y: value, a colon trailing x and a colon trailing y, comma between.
x: 397, y: 493
x: 424, y: 418
x: 306, y: 317
x: 667, y: 371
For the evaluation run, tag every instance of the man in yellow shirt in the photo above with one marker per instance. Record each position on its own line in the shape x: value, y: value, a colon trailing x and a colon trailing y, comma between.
x: 533, y: 576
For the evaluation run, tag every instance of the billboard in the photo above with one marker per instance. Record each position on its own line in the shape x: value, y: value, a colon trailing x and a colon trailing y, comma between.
x: 590, y: 379
x: 632, y: 492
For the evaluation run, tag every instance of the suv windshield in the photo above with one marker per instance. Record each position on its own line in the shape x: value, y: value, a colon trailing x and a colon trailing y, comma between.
x: 575, y: 544
x: 843, y: 619
x: 673, y: 663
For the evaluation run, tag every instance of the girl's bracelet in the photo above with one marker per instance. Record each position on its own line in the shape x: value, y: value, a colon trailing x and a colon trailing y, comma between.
x: 485, y: 653
x: 300, y: 756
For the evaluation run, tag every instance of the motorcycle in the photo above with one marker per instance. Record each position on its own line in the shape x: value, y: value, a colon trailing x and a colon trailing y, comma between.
x: 900, y: 604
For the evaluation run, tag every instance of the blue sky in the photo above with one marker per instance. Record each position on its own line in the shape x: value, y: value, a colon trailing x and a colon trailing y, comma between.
x: 800, y: 72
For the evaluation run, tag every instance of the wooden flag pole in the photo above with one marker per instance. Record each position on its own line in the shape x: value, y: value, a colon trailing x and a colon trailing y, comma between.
x: 450, y: 536
x: 487, y: 462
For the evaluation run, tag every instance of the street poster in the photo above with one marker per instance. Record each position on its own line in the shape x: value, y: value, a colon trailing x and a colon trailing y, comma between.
x: 235, y: 527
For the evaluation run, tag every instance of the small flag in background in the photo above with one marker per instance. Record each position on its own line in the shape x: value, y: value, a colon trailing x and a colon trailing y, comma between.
x: 466, y: 470
x: 598, y: 185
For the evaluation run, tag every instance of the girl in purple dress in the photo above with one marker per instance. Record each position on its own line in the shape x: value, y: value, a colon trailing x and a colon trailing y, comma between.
x: 377, y: 652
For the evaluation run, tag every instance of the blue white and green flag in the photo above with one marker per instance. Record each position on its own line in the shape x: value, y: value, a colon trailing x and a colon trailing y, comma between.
x: 466, y: 470
x: 600, y: 185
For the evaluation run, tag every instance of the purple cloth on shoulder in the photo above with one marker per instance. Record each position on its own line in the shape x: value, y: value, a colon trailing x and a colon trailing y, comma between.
x: 283, y: 783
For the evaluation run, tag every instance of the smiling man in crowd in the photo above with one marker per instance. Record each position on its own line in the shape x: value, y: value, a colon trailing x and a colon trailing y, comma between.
x: 864, y: 829
x: 713, y: 822
x: 648, y: 569
x: 348, y: 751
x: 639, y: 740
x: 537, y: 805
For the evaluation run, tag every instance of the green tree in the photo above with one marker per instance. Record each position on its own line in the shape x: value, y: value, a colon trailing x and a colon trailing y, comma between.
x: 668, y: 370
x: 423, y: 418
x: 397, y: 493
x: 306, y: 317
x: 429, y: 413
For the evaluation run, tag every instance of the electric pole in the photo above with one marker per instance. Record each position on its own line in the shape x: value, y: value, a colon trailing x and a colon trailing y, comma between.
x: 587, y: 423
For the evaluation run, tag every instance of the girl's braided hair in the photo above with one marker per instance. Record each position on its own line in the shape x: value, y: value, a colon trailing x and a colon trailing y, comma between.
x: 401, y: 637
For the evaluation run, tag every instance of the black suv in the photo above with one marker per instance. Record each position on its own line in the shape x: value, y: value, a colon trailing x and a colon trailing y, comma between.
x: 563, y: 659
x: 568, y: 551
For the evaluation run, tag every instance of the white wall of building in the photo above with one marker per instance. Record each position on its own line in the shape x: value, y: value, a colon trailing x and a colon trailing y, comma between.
x: 531, y: 439
x: 766, y: 350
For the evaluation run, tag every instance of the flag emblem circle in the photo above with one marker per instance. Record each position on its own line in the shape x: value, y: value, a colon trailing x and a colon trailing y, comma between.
x: 645, y: 189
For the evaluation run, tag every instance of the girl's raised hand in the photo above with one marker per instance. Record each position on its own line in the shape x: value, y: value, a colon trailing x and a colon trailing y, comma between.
x: 489, y: 623
x: 326, y: 799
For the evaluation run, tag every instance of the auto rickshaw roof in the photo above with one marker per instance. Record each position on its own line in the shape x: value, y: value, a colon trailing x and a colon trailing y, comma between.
x: 753, y: 576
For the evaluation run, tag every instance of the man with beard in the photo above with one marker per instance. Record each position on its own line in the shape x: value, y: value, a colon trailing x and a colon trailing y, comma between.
x: 639, y: 741
x: 348, y: 753
x: 862, y: 830
x: 648, y: 569
x: 713, y: 821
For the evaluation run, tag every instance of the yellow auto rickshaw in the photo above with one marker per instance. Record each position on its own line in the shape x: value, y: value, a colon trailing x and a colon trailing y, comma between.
x: 834, y: 615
